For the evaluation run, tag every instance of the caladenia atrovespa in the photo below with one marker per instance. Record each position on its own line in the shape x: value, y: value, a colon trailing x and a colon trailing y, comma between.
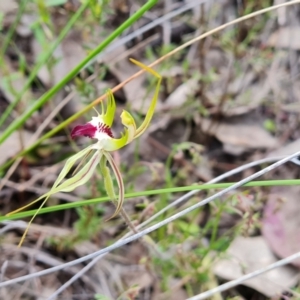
x: 100, y: 129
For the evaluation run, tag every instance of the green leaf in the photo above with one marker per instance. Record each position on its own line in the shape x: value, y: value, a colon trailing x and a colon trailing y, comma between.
x: 55, y: 2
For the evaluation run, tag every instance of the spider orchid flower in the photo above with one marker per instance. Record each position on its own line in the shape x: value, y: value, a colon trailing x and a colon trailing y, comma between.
x: 99, y: 129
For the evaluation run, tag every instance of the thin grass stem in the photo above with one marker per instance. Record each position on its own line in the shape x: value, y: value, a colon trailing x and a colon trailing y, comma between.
x: 194, y: 188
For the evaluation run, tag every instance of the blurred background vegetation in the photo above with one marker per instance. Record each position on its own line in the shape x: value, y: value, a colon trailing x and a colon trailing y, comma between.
x: 226, y: 100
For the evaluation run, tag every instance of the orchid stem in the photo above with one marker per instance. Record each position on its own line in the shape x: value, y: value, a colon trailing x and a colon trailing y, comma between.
x: 108, y: 183
x: 111, y: 193
x: 127, y: 220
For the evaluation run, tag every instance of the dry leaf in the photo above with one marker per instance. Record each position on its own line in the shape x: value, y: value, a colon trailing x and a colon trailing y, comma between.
x: 280, y: 224
x: 285, y: 150
x: 247, y: 100
x: 246, y: 255
x: 181, y: 94
x: 67, y: 55
x: 241, y: 136
x: 7, y: 7
x: 285, y: 37
x: 141, y: 278
x: 12, y: 145
x: 244, y: 95
x: 176, y: 290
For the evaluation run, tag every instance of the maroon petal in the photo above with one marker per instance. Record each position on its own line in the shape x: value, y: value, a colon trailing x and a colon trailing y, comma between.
x: 87, y: 130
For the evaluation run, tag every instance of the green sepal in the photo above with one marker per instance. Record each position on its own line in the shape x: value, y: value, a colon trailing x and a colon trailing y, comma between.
x: 109, y: 115
x: 108, y: 183
x: 151, y: 109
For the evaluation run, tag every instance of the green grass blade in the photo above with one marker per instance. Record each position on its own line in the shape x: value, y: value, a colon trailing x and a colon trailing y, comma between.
x: 263, y: 183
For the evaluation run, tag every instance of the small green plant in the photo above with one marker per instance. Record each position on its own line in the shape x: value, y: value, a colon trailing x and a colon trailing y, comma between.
x: 101, y: 297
